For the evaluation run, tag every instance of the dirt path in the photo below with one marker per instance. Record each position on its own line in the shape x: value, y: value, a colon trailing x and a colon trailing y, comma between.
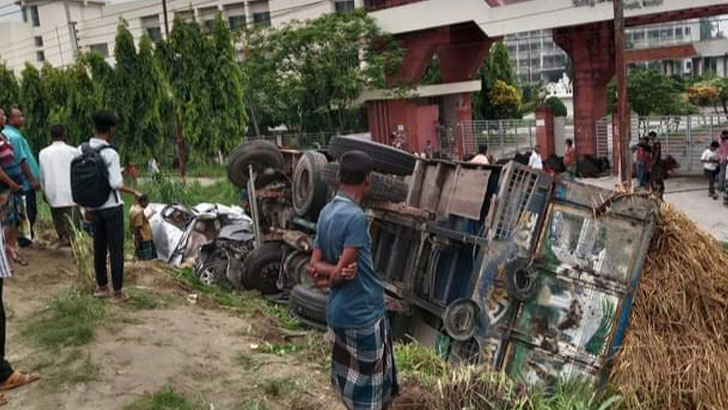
x: 202, y: 352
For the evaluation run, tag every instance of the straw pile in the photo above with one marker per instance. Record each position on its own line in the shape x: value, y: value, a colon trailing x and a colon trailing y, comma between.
x: 675, y: 354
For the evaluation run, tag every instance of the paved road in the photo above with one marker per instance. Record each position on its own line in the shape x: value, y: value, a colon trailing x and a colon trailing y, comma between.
x: 689, y: 194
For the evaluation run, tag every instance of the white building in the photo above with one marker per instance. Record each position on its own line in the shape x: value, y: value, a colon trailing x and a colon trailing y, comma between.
x: 538, y: 59
x: 52, y: 30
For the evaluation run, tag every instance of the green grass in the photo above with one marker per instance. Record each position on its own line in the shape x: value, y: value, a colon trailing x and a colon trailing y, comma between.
x: 70, y: 320
x: 279, y: 387
x: 282, y: 349
x: 246, y: 302
x: 417, y: 361
x: 142, y: 299
x: 165, y: 399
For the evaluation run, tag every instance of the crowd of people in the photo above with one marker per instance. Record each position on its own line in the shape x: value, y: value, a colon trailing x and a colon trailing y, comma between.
x: 22, y: 179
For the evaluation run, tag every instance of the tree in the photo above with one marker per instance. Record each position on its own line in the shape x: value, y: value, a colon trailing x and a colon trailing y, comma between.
x: 308, y: 75
x: 206, y: 85
x: 497, y: 67
x: 505, y: 100
x: 651, y: 93
x: 9, y: 89
x: 34, y: 102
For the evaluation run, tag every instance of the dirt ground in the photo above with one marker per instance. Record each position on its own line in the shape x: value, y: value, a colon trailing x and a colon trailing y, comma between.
x: 203, y: 352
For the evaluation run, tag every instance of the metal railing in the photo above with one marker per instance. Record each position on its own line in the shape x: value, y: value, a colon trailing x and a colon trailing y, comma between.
x: 682, y: 137
x: 505, y: 138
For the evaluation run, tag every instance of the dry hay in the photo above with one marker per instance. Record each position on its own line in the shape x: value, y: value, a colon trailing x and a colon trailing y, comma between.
x: 675, y: 354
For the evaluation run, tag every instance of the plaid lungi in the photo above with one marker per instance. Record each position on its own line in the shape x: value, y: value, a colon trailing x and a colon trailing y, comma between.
x: 13, y: 211
x: 145, y: 251
x: 363, y: 372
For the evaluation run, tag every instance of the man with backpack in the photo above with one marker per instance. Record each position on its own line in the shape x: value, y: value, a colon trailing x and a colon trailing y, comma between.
x: 96, y: 185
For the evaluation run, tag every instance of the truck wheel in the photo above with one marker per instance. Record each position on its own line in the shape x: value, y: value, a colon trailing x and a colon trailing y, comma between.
x: 386, y: 159
x: 309, y: 304
x: 383, y: 187
x: 262, y: 267
x: 309, y: 189
x: 521, y: 281
x: 262, y: 155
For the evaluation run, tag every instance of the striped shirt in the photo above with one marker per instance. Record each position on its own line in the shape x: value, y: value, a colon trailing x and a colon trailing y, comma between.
x: 5, y: 270
x: 8, y: 163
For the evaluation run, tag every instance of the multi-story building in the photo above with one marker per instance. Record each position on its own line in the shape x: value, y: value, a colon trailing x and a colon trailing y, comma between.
x: 54, y: 31
x: 537, y: 58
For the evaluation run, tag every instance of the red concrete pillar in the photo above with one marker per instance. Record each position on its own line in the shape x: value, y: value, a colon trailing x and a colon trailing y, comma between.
x: 591, y: 49
x: 465, y: 53
x: 545, y: 131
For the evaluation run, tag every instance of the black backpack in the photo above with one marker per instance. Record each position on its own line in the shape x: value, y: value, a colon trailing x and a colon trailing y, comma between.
x: 90, y: 178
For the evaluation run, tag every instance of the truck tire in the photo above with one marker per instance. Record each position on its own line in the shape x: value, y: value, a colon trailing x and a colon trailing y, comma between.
x: 309, y: 304
x: 260, y: 154
x: 309, y: 189
x: 386, y: 159
x: 262, y: 267
x: 383, y: 187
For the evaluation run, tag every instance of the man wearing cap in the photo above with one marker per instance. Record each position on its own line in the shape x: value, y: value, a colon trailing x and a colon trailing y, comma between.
x: 108, y: 219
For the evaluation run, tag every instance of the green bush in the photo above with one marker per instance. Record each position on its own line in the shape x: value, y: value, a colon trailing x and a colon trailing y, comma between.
x: 558, y: 107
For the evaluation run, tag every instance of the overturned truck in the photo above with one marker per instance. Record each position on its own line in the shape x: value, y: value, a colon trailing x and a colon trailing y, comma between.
x: 499, y: 264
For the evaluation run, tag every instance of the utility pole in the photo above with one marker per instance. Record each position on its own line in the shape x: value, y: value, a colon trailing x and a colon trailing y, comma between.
x: 166, y: 19
x: 625, y: 166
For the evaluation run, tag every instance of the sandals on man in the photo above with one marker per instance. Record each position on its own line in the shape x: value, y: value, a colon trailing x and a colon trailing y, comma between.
x: 18, y: 379
x: 20, y: 260
x: 3, y: 400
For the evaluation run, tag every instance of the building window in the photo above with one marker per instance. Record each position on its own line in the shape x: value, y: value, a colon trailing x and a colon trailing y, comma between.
x: 34, y: 17
x: 101, y: 48
x: 151, y: 27
x: 24, y: 12
x: 207, y: 17
x: 262, y: 18
x: 186, y: 15
x: 38, y: 41
x: 40, y: 56
x: 343, y: 6
x: 235, y: 14
x: 236, y: 22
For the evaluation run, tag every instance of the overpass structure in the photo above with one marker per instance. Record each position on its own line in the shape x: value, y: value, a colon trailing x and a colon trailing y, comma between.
x: 461, y: 32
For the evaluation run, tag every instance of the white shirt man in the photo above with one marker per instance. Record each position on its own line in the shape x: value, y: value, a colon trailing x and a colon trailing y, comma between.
x: 535, y: 161
x: 55, y: 180
x: 113, y: 164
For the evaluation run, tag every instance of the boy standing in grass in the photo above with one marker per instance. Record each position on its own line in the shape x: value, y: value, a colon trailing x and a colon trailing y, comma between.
x: 363, y: 369
x: 139, y: 225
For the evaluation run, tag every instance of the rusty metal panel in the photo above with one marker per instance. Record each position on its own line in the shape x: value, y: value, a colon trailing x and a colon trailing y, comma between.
x: 448, y: 176
x: 468, y: 192
x: 587, y: 266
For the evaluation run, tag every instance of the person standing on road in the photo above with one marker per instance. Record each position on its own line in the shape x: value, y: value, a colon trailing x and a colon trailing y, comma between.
x: 26, y: 159
x: 108, y: 219
x: 657, y: 169
x: 723, y: 153
x: 710, y: 160
x: 643, y: 162
x: 55, y: 180
x: 9, y: 378
x: 11, y: 183
x: 535, y: 160
x: 363, y: 369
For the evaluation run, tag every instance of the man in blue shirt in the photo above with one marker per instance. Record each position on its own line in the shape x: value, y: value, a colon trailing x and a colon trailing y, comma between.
x: 363, y: 370
x: 25, y: 158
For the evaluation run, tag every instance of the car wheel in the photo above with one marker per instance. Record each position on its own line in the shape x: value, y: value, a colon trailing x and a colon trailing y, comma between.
x: 262, y: 267
x: 383, y: 187
x: 309, y: 190
x: 386, y: 159
x: 264, y: 156
x: 309, y: 304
